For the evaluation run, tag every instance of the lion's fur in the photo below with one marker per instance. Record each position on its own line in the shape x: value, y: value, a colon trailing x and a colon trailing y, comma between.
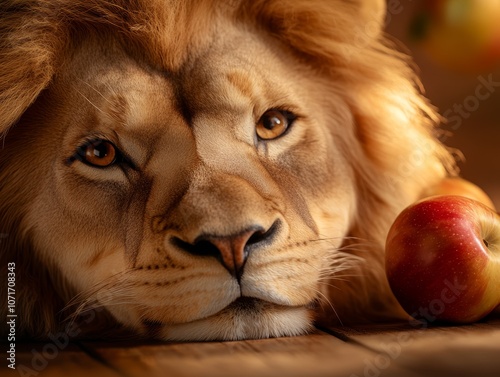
x: 389, y: 132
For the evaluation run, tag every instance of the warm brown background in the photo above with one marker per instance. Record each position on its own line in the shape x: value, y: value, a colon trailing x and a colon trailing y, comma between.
x: 478, y: 137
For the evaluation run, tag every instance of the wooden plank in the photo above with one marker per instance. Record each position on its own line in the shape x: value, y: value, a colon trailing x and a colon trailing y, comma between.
x: 316, y: 354
x: 49, y: 360
x: 371, y: 351
x: 472, y: 350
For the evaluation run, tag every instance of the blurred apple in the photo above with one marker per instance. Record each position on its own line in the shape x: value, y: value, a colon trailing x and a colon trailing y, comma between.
x: 462, y: 35
x: 443, y: 259
x: 461, y: 187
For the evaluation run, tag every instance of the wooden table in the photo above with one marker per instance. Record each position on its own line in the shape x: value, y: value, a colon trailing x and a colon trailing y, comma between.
x: 400, y: 349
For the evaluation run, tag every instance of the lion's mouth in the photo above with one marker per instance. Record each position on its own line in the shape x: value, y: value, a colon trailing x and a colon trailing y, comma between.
x: 245, y: 303
x: 242, y: 304
x: 242, y: 307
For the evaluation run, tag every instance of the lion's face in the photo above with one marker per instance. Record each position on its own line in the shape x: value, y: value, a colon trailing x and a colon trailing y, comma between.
x: 225, y: 195
x: 205, y: 169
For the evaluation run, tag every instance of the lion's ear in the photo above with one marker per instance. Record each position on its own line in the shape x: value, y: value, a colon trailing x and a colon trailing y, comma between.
x: 29, y: 44
x: 372, y: 12
x: 336, y: 32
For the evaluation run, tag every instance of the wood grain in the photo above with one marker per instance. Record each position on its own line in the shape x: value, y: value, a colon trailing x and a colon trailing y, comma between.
x: 48, y: 360
x: 389, y: 350
x: 472, y: 350
x: 318, y: 354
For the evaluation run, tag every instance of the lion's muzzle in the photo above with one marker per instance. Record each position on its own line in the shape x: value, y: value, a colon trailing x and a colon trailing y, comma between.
x: 231, y: 250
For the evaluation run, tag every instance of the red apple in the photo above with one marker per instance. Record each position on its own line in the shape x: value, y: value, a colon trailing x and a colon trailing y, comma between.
x: 443, y: 259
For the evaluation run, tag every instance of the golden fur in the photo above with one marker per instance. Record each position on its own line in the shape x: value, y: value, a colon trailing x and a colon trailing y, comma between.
x: 179, y: 86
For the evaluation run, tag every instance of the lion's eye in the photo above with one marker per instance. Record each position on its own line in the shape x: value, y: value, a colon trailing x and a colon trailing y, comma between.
x: 98, y: 153
x: 274, y: 123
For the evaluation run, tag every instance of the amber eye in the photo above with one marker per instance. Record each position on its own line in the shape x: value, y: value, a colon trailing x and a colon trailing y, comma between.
x: 274, y: 123
x: 98, y: 153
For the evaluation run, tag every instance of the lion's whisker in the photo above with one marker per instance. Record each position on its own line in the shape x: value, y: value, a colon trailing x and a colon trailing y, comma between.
x: 89, y: 101
x: 328, y: 301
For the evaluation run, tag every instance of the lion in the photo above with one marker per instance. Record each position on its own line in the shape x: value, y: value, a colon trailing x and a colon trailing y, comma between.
x: 205, y: 170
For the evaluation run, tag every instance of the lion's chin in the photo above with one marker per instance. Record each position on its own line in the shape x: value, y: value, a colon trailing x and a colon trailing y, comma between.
x: 245, y: 318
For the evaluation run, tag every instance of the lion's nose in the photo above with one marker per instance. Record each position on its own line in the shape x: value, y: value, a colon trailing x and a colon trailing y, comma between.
x: 231, y: 250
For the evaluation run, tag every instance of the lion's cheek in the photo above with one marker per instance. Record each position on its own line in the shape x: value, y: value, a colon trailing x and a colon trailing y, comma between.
x: 186, y: 298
